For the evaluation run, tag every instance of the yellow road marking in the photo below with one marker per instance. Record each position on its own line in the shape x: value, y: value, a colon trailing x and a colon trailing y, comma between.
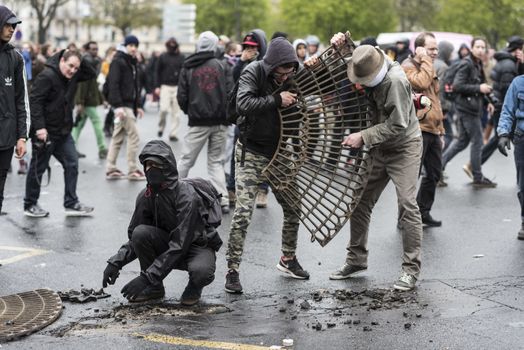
x: 27, y: 253
x: 166, y: 339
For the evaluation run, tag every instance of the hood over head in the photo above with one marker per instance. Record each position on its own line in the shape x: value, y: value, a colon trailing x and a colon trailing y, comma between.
x: 172, y: 45
x: 207, y: 41
x: 53, y: 62
x: 7, y: 17
x: 299, y: 42
x: 463, y: 46
x: 445, y: 49
x: 279, y: 52
x: 504, y: 54
x: 156, y: 151
x: 257, y: 36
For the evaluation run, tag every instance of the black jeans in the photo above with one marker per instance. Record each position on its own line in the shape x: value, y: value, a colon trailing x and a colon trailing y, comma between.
x: 64, y: 150
x: 432, y: 162
x: 149, y: 242
x: 5, y: 162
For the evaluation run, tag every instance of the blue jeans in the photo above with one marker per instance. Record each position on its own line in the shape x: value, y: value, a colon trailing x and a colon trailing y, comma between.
x: 470, y: 129
x: 518, y: 141
x: 64, y: 150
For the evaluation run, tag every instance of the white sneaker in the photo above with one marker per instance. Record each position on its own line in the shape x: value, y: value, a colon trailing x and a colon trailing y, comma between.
x: 405, y: 282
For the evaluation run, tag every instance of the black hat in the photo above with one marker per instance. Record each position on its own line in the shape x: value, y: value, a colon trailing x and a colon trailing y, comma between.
x: 131, y: 39
x: 515, y: 42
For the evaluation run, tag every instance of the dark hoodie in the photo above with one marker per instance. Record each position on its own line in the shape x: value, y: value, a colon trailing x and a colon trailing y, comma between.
x: 14, y: 102
x: 203, y: 87
x: 405, y: 53
x: 259, y: 100
x: 169, y: 65
x: 52, y: 97
x: 503, y: 73
x: 123, y: 81
x: 262, y: 48
x: 176, y: 209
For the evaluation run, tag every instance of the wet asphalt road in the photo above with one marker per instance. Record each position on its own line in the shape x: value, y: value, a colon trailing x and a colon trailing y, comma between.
x: 462, y: 301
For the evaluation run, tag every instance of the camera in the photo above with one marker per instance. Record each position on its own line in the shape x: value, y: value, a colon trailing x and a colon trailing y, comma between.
x: 40, y: 145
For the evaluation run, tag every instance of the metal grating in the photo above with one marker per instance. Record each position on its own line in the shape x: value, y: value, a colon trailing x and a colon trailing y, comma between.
x: 25, y: 313
x: 318, y: 177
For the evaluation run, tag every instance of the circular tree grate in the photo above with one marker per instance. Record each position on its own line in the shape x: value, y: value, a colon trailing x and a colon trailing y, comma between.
x: 25, y: 313
x: 319, y: 179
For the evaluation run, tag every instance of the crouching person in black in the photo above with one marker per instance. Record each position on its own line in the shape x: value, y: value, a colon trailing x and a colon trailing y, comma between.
x: 169, y: 230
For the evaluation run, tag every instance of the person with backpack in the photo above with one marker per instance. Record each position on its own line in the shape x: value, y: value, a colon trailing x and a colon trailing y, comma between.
x: 511, y: 128
x: 14, y: 109
x: 171, y: 229
x: 470, y: 89
x: 261, y: 91
x: 202, y: 94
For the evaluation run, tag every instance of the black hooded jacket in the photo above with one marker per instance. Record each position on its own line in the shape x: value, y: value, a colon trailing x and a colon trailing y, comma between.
x: 52, y: 97
x: 14, y: 102
x: 168, y: 68
x: 405, y: 53
x: 203, y: 87
x: 503, y: 73
x: 123, y: 82
x: 261, y: 39
x: 258, y: 97
x: 466, y: 84
x: 176, y: 209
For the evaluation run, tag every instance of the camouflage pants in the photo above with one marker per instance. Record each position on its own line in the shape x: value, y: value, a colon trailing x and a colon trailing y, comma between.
x: 248, y: 178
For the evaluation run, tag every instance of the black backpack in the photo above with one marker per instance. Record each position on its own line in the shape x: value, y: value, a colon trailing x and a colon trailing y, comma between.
x: 447, y: 82
x: 210, y: 197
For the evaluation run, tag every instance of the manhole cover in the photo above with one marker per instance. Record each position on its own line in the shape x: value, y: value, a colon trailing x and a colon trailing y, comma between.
x: 25, y: 313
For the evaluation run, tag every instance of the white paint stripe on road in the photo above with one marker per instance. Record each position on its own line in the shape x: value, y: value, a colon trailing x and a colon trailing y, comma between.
x: 166, y: 339
x: 28, y: 253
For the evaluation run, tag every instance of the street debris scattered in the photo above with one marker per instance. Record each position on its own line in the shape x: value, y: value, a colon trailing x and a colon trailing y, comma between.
x: 83, y: 296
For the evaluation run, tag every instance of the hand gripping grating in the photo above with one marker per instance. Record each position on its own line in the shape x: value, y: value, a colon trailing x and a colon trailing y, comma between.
x: 319, y: 178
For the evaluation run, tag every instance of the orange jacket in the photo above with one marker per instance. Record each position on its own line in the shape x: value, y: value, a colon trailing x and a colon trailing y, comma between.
x: 423, y: 79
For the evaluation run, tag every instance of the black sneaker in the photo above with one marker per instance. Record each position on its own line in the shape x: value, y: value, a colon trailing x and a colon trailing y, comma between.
x: 233, y: 282
x: 520, y: 235
x: 225, y: 209
x: 347, y: 271
x: 151, y: 292
x: 80, y: 155
x: 35, y: 211
x: 484, y: 183
x: 78, y: 209
x: 292, y: 268
x: 427, y: 220
x: 191, y: 295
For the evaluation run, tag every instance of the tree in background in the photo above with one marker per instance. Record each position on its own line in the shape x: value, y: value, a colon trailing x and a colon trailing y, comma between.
x: 231, y: 17
x: 45, y: 13
x: 324, y: 18
x: 416, y: 15
x: 495, y: 19
x: 125, y: 14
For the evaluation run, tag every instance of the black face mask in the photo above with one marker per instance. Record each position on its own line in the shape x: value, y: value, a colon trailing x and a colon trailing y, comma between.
x: 155, y: 177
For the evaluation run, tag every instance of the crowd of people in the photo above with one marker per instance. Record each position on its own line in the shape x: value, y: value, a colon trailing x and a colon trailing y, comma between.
x: 50, y: 94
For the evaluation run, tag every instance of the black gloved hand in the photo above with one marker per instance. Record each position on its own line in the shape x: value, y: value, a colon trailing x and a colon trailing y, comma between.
x: 110, y: 274
x: 504, y: 143
x: 133, y: 288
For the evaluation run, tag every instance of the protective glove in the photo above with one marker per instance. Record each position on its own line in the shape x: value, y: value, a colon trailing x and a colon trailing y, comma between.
x: 135, y: 287
x: 110, y: 274
x: 504, y: 143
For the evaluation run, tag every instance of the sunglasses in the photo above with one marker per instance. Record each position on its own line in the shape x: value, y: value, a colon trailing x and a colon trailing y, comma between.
x: 284, y: 74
